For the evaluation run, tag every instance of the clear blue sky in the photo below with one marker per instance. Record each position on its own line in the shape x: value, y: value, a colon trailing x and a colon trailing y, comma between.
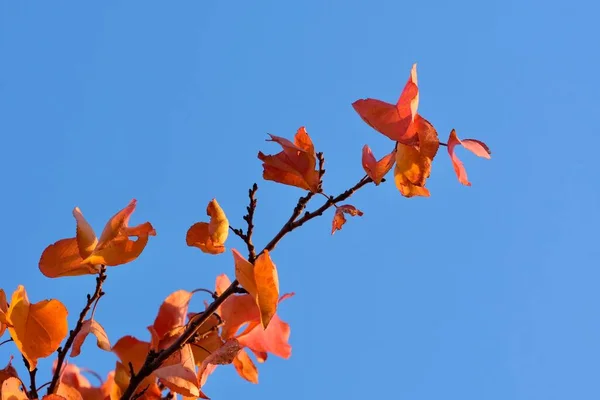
x: 488, y: 292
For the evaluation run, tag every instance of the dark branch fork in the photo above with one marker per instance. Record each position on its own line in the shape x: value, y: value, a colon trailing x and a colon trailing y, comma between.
x: 156, y: 358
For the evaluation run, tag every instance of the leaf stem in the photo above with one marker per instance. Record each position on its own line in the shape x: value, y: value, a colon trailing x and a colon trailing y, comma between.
x: 62, y: 351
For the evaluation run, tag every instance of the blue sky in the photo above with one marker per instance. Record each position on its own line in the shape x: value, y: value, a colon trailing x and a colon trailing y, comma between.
x: 488, y: 292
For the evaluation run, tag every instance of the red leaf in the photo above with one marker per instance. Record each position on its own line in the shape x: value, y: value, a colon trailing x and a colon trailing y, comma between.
x: 477, y: 147
x: 339, y: 219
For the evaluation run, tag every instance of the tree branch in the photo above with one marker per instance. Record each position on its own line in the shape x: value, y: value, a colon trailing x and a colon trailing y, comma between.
x: 33, y: 394
x: 62, y: 351
x: 155, y: 359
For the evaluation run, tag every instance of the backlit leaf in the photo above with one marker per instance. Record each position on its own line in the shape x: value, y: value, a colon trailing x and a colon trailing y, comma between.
x: 339, y: 219
x: 376, y: 170
x: 210, y: 237
x: 93, y: 327
x: 475, y: 146
x: 37, y: 329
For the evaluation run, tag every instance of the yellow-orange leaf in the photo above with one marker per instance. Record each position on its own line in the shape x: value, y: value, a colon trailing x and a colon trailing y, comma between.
x: 339, y: 219
x: 295, y: 165
x: 210, y: 237
x: 131, y: 350
x: 83, y: 254
x: 244, y: 272
x: 7, y: 372
x: 178, y: 373
x: 93, y: 327
x: 245, y: 367
x: 11, y: 390
x: 413, y: 163
x: 261, y: 282
x: 58, y: 397
x: 376, y: 170
x: 37, y: 329
x: 68, y: 392
x: 267, y: 287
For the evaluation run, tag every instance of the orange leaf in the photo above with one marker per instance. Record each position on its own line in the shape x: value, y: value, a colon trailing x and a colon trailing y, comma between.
x: 206, y: 346
x: 273, y: 340
x: 53, y: 396
x: 267, y: 287
x: 71, y: 375
x: 261, y: 282
x: 477, y: 147
x: 172, y: 312
x: 11, y: 390
x: 7, y: 372
x: 245, y: 367
x: 376, y: 170
x: 3, y: 309
x: 131, y: 350
x: 37, y: 329
x: 210, y: 237
x: 93, y: 327
x: 244, y: 272
x: 121, y: 381
x: 83, y: 254
x: 295, y: 164
x: 339, y: 219
x: 179, y: 373
x: 68, y: 392
x: 413, y: 163
x: 393, y: 120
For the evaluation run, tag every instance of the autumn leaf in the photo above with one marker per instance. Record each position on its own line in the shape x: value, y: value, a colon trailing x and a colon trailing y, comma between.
x: 273, y: 339
x: 93, y: 327
x: 71, y: 375
x: 131, y: 350
x: 261, y: 281
x: 210, y: 237
x: 84, y: 254
x: 3, y: 310
x: 7, y: 372
x: 339, y: 219
x: 68, y: 392
x: 121, y: 381
x: 393, y: 120
x: 376, y: 170
x: 11, y: 390
x: 172, y: 312
x: 37, y: 329
x: 295, y: 164
x: 475, y: 146
x: 413, y: 163
x: 178, y: 373
x: 245, y: 367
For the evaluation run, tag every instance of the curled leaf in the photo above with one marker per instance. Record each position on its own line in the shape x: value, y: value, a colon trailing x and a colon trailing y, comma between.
x: 413, y: 163
x: 339, y: 219
x: 83, y: 254
x: 245, y: 367
x: 475, y: 146
x: 37, y: 329
x: 295, y: 165
x: 210, y: 237
x: 393, y: 120
x: 376, y: 170
x: 93, y: 327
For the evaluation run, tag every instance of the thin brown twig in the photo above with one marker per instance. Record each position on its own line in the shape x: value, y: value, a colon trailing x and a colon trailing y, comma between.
x: 155, y: 359
x: 33, y: 394
x: 43, y: 386
x: 249, y: 218
x: 62, y: 351
x: 6, y: 341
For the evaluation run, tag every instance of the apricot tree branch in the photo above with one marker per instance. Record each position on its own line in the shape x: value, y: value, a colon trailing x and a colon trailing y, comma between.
x: 32, y: 394
x: 154, y: 359
x: 62, y: 351
x: 249, y: 218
